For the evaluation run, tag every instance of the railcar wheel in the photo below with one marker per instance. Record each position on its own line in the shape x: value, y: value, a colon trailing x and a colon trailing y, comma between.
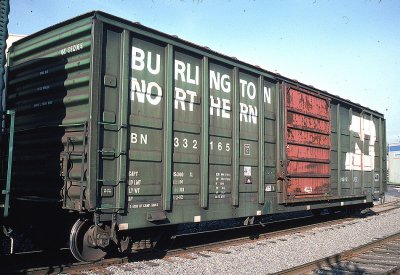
x: 79, y: 243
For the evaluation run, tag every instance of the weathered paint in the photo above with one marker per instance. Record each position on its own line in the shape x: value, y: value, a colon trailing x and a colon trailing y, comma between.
x: 300, y: 137
x: 308, y: 143
x: 312, y: 105
x: 308, y: 187
x: 308, y: 168
x: 298, y: 152
x: 363, y: 157
x: 353, y: 170
x: 306, y: 123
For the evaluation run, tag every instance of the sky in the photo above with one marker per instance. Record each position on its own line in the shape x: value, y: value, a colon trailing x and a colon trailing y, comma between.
x: 348, y: 48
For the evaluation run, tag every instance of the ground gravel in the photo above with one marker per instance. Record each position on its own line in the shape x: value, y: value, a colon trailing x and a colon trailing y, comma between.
x: 274, y: 254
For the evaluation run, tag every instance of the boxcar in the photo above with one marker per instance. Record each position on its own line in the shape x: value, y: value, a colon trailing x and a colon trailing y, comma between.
x: 133, y: 130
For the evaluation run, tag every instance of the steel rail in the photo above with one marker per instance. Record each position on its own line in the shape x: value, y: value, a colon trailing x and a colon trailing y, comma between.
x: 342, y: 256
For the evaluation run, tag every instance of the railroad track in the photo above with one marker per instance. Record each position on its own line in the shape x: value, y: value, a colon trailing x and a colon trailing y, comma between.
x: 377, y: 257
x: 213, y: 241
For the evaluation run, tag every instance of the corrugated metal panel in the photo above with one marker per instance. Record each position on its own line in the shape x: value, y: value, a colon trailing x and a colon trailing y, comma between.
x: 308, y: 144
x: 49, y: 90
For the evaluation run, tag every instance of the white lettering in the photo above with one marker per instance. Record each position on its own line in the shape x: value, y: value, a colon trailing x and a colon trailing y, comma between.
x: 135, y: 87
x: 243, y: 112
x: 133, y: 173
x: 145, y: 90
x: 178, y: 197
x: 194, y: 80
x: 248, y: 88
x: 226, y: 106
x: 192, y: 95
x: 180, y: 96
x: 267, y: 95
x: 153, y: 100
x: 142, y: 138
x: 133, y: 138
x: 243, y: 83
x: 181, y: 68
x: 138, y: 61
x: 248, y: 113
x: 216, y: 80
x: 215, y: 103
x: 185, y: 143
x: 226, y: 83
x: 72, y: 48
x: 156, y: 70
x: 178, y: 174
x: 251, y: 90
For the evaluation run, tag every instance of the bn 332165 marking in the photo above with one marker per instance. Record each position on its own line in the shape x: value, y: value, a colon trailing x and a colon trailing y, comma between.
x: 185, y: 143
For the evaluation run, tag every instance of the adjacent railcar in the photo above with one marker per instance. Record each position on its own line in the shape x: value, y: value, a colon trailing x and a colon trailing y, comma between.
x: 134, y: 130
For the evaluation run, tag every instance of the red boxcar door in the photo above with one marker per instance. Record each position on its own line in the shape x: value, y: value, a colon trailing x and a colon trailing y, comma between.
x: 308, y: 144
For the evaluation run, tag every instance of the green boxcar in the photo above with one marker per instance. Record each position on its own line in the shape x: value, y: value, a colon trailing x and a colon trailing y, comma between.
x: 136, y: 129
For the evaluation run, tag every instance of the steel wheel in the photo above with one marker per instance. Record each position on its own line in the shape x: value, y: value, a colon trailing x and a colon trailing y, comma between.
x: 79, y: 244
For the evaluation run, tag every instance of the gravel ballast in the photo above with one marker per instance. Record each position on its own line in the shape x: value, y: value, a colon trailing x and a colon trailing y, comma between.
x: 274, y: 254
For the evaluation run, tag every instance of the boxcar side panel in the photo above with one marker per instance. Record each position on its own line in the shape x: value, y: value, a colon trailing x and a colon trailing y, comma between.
x: 240, y: 182
x: 357, y: 159
x: 214, y: 169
